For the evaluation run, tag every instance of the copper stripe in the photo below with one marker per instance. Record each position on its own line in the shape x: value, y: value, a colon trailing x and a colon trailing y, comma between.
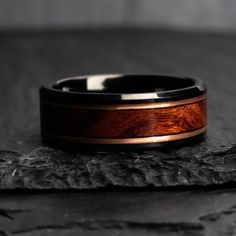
x: 131, y: 106
x: 144, y: 140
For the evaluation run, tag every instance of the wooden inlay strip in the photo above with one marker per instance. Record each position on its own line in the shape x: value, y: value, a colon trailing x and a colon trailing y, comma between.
x: 122, y: 124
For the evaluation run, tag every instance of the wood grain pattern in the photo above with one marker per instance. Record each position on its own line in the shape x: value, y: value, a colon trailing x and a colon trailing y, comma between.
x: 75, y: 122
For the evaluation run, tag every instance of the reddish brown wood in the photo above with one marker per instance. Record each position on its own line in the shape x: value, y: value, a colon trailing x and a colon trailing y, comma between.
x: 77, y: 122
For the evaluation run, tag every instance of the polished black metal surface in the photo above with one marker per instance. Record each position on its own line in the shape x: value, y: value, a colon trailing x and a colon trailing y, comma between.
x: 118, y: 88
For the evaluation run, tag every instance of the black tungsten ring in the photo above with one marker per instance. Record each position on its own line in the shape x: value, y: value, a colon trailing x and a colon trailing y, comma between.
x: 123, y: 110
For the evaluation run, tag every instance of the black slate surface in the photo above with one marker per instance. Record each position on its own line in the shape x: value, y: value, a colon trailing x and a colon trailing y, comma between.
x: 30, y: 60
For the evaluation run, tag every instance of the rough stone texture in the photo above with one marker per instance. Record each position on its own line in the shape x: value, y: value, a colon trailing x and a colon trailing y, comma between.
x: 47, y: 168
x: 27, y: 61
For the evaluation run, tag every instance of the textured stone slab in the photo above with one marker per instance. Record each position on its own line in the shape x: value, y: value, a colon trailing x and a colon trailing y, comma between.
x: 47, y: 168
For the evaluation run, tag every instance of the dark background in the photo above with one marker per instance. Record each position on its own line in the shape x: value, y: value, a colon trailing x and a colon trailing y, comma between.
x: 184, y: 14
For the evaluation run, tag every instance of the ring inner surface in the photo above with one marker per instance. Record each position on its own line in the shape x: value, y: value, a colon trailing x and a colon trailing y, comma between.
x: 118, y: 84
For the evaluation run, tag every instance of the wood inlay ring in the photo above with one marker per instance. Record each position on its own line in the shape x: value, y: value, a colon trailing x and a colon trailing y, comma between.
x: 102, y: 110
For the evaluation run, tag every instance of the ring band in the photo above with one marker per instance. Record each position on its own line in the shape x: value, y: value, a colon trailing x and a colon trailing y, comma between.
x: 123, y: 110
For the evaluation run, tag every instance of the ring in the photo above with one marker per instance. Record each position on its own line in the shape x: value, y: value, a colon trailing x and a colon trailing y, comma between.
x: 120, y: 110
